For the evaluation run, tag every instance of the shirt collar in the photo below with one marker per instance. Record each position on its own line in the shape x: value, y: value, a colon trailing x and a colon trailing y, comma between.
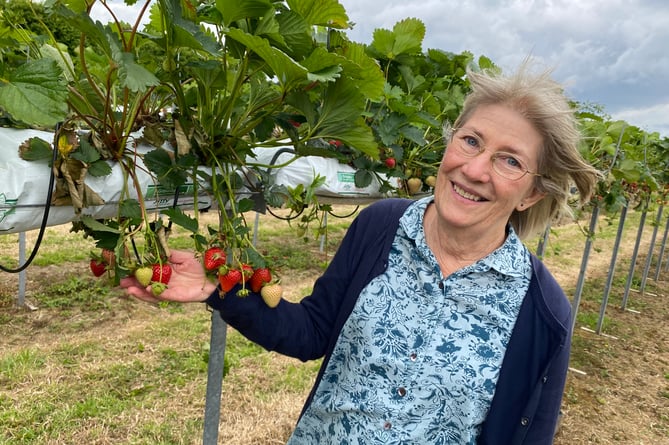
x: 504, y: 259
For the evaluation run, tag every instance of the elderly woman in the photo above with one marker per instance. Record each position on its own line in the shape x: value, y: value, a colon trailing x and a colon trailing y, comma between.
x: 435, y: 323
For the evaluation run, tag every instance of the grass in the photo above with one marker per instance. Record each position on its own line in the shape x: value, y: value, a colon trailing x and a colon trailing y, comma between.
x: 91, y: 366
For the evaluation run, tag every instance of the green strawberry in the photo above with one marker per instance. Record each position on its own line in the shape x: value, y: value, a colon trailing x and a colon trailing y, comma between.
x: 143, y: 275
x: 158, y: 288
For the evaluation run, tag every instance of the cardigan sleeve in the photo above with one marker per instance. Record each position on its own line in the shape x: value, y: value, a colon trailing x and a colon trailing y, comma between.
x: 307, y: 330
x: 301, y: 330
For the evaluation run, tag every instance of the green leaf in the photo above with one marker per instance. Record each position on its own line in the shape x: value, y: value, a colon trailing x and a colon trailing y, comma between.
x: 364, y: 69
x: 159, y: 162
x: 97, y: 226
x: 363, y: 178
x: 328, y: 13
x: 341, y: 117
x: 405, y: 38
x: 286, y: 70
x: 183, y: 32
x: 233, y: 10
x: 178, y: 217
x: 99, y: 168
x: 132, y: 75
x: 409, y: 34
x: 86, y: 152
x: 36, y: 149
x: 296, y: 34
x: 35, y: 93
x: 130, y: 208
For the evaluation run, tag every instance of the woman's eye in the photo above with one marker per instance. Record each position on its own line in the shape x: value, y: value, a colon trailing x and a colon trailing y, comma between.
x: 511, y: 162
x: 471, y: 142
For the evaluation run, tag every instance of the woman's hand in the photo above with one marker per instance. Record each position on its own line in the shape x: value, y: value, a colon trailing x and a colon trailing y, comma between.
x: 189, y: 282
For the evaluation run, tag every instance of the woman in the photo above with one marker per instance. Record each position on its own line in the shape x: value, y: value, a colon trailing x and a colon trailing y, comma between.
x: 435, y: 322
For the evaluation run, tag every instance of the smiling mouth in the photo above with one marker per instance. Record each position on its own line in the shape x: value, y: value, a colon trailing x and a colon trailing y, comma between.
x: 465, y: 194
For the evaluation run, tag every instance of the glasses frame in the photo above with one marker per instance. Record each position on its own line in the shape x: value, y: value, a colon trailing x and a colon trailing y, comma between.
x: 482, y: 147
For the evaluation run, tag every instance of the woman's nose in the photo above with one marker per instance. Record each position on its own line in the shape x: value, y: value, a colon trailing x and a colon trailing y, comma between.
x: 478, y: 168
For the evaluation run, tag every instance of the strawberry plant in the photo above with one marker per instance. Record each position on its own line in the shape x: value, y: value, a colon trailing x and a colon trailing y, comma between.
x: 189, y: 100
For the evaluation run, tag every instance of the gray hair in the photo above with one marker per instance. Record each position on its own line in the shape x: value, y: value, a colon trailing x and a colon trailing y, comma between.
x: 543, y: 103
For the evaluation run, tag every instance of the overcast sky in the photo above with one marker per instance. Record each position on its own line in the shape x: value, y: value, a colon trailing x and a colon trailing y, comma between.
x: 608, y: 52
x: 612, y: 53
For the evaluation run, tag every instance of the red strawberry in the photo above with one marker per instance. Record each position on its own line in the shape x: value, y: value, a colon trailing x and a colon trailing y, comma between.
x: 97, y: 267
x: 229, y: 279
x: 390, y: 162
x: 260, y: 277
x: 161, y: 273
x: 214, y: 257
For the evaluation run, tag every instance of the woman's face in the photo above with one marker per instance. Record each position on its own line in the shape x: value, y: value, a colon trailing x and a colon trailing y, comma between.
x: 468, y: 192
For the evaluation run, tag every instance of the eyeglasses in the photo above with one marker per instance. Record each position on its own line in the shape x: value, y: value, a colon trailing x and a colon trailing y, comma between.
x: 505, y: 164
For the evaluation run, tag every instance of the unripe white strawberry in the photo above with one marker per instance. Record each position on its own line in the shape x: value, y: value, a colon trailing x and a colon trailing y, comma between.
x: 271, y: 294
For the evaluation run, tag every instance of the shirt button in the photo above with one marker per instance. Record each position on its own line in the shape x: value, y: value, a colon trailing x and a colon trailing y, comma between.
x: 413, y: 356
x: 545, y: 379
x: 524, y: 421
x: 387, y: 425
x: 441, y: 285
x: 402, y: 391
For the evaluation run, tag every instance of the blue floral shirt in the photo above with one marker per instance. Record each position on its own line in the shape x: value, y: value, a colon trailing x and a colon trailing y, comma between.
x: 418, y: 359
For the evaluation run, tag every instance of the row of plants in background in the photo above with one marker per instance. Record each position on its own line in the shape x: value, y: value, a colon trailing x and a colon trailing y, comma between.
x: 205, y: 85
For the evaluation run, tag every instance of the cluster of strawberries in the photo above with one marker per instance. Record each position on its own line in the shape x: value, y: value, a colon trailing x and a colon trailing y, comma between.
x: 258, y: 280
x: 157, y: 274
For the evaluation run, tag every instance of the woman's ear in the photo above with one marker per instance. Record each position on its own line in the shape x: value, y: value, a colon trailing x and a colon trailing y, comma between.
x: 532, y: 198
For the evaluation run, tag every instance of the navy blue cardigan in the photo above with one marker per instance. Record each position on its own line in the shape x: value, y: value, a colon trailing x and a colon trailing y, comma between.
x: 527, y: 398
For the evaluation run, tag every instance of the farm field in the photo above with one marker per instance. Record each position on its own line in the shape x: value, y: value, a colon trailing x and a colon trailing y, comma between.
x: 83, y: 364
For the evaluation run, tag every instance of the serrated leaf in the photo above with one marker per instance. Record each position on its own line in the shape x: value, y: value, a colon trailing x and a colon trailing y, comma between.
x: 159, y: 162
x: 363, y: 178
x: 233, y: 10
x: 132, y: 75
x: 99, y: 168
x: 130, y: 208
x: 286, y: 70
x: 178, y: 217
x: 406, y: 38
x: 409, y: 34
x: 35, y: 93
x: 35, y: 149
x: 245, y: 205
x: 86, y: 152
x: 328, y: 13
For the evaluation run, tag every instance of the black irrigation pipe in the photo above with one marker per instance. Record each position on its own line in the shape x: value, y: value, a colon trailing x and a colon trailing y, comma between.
x: 45, y: 216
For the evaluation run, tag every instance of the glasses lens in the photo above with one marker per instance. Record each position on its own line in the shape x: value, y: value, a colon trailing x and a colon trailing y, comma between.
x: 507, y: 166
x: 504, y: 164
x: 468, y: 143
